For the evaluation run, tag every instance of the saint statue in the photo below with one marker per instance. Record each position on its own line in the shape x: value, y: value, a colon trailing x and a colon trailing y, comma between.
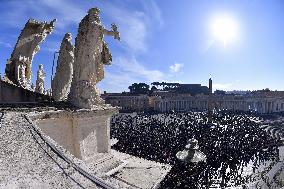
x: 19, y: 67
x: 40, y: 80
x: 91, y: 53
x: 61, y: 82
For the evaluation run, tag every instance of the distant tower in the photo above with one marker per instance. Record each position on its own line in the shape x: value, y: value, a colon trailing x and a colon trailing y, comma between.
x: 210, y: 102
x: 210, y: 85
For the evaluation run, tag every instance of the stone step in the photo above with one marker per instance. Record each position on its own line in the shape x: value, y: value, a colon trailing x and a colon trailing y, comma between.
x: 105, y: 163
x: 108, y: 165
x: 97, y: 158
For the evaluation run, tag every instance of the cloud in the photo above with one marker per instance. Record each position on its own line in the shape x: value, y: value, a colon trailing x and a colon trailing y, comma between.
x: 135, y: 69
x: 68, y: 13
x: 222, y: 86
x: 176, y: 67
x: 45, y: 10
x: 132, y: 27
x: 153, y: 11
x: 126, y: 71
x: 8, y: 45
x: 135, y: 26
x: 116, y: 82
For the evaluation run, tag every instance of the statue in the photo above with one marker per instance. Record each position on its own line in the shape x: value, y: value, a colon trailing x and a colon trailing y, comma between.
x: 21, y: 76
x: 40, y: 80
x: 61, y: 82
x: 26, y: 47
x: 48, y: 92
x: 91, y: 53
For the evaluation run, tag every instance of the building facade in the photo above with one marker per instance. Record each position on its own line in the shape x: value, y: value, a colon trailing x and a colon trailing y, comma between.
x: 127, y: 101
x: 257, y: 103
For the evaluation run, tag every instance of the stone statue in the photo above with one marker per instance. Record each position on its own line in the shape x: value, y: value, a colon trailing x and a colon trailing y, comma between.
x: 61, y: 82
x: 91, y: 53
x: 26, y: 47
x: 40, y: 80
x: 21, y: 77
x: 48, y: 92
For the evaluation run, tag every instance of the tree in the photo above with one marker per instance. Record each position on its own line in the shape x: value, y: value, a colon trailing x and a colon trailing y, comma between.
x: 139, y: 88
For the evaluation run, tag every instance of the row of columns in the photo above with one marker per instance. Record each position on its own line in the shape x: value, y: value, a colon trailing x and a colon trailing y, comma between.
x: 261, y: 106
x: 180, y: 105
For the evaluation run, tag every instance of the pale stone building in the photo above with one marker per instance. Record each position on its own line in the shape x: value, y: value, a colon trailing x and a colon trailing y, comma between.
x: 258, y: 103
x: 128, y: 102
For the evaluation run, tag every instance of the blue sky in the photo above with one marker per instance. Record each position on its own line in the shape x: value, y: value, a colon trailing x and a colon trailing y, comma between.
x: 164, y: 40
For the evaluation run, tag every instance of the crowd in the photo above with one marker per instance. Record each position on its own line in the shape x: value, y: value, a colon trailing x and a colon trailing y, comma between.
x: 229, y: 142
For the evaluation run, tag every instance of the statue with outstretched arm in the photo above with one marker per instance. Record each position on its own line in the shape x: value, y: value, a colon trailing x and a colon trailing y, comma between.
x: 91, y: 53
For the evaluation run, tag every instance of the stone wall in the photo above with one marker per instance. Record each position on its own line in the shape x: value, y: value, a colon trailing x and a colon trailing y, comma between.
x: 10, y: 93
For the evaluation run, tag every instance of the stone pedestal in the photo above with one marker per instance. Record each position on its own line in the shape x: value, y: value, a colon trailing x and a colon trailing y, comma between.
x: 83, y: 133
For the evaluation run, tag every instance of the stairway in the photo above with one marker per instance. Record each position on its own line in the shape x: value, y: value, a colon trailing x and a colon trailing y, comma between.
x: 105, y: 164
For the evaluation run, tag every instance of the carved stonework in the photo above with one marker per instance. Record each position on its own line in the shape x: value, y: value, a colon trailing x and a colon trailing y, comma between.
x: 40, y: 80
x: 61, y: 82
x: 91, y: 53
x: 18, y: 67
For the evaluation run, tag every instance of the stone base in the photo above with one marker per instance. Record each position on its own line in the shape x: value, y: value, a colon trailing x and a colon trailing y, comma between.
x: 84, y: 94
x: 11, y: 93
x: 83, y: 133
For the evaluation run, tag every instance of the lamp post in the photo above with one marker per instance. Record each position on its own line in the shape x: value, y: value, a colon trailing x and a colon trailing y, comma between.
x: 54, y: 54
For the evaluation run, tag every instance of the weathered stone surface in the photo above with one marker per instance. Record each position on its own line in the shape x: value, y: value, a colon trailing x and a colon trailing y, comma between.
x: 61, y: 82
x: 83, y: 133
x: 91, y: 53
x: 26, y: 162
x: 40, y: 80
x: 19, y: 66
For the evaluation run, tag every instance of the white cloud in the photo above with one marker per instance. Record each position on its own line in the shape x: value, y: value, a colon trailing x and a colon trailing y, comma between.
x: 135, y: 69
x: 8, y: 45
x: 116, y: 82
x: 135, y: 26
x: 132, y: 27
x: 221, y: 86
x: 153, y: 11
x: 126, y: 71
x: 66, y: 12
x: 176, y: 67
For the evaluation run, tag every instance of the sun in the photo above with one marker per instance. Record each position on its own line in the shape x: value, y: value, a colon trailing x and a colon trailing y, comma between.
x: 224, y: 29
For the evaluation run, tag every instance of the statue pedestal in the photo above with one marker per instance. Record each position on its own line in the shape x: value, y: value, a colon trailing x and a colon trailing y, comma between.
x: 83, y: 133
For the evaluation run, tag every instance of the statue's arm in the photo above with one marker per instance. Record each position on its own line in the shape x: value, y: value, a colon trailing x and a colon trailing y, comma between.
x: 110, y: 33
x: 114, y: 32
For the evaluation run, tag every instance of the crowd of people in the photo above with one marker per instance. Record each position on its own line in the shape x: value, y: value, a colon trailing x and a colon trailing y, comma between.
x: 230, y: 142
